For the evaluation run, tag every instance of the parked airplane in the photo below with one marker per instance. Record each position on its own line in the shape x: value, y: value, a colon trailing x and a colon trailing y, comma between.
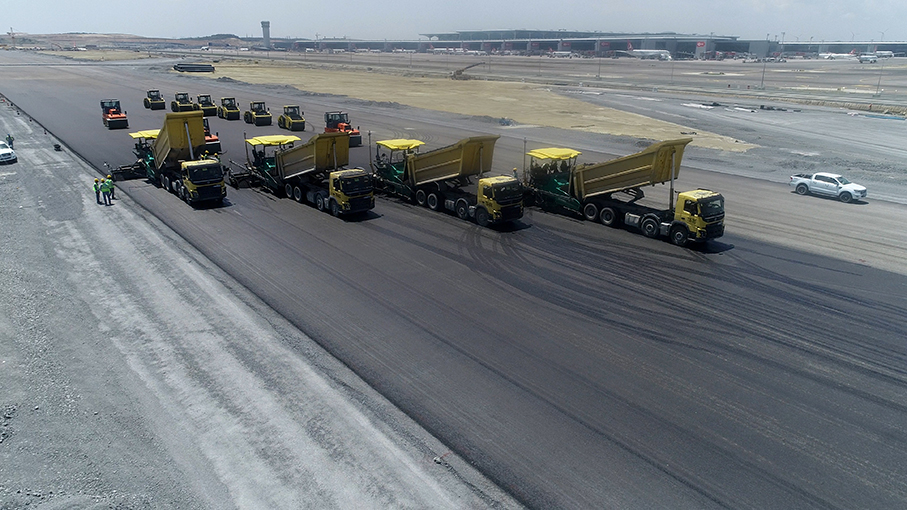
x: 840, y: 56
x: 655, y: 54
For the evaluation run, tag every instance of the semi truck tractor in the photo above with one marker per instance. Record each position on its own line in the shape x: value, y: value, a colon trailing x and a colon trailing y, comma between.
x: 175, y: 157
x: 313, y: 172
x: 609, y: 192
x: 442, y: 179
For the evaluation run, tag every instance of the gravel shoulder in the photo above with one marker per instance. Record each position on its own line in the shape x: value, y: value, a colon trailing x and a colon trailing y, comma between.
x: 136, y: 374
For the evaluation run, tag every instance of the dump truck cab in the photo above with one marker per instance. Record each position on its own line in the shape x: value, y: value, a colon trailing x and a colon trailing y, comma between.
x: 257, y: 114
x: 181, y: 102
x: 228, y: 109
x: 698, y: 216
x: 351, y: 190
x: 111, y: 114
x: 500, y: 197
x: 201, y: 181
x: 340, y: 121
x: 206, y: 105
x: 291, y: 118
x: 154, y: 101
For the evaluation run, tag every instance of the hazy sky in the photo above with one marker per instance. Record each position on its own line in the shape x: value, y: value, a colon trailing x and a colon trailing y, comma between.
x: 405, y: 19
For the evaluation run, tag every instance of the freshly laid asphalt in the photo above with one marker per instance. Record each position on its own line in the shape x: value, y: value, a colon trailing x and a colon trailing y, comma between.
x: 576, y: 366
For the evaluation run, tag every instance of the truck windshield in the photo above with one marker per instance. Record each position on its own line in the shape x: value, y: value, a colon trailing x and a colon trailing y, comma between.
x: 356, y: 185
x: 203, y: 174
x: 712, y: 206
x: 507, y: 192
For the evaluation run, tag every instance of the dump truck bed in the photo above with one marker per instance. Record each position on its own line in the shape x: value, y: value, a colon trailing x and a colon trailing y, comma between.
x: 323, y: 152
x: 181, y: 139
x: 470, y: 156
x: 654, y: 165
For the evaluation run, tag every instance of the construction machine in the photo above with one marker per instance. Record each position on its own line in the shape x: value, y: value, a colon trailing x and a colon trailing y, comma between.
x: 228, y: 109
x: 112, y: 115
x: 554, y: 181
x: 257, y: 114
x: 313, y: 172
x: 340, y: 122
x: 458, y: 74
x: 181, y: 103
x: 212, y: 141
x: 206, y: 105
x: 154, y: 100
x: 291, y: 119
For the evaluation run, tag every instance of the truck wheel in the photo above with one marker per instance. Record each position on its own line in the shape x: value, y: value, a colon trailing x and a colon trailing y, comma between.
x: 679, y: 235
x: 184, y: 194
x: 319, y: 202
x: 247, y: 118
x: 165, y: 183
x: 434, y: 203
x: 649, y: 227
x: 335, y: 208
x: 608, y: 217
x: 420, y: 197
x: 298, y: 195
x: 802, y: 189
x: 462, y: 209
x: 845, y: 197
x: 590, y: 212
x: 482, y: 217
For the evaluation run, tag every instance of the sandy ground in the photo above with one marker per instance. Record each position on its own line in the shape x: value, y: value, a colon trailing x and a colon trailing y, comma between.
x: 100, y: 55
x: 524, y: 103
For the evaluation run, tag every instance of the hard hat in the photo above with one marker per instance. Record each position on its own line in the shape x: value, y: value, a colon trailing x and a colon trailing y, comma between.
x: 109, y: 177
x: 95, y: 180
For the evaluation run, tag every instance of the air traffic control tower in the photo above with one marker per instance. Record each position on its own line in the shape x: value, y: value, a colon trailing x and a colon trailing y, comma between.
x: 266, y: 34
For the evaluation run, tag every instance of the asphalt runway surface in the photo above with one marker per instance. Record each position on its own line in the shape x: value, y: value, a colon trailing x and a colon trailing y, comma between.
x: 574, y: 365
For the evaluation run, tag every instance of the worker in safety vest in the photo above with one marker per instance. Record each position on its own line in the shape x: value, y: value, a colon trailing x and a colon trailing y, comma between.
x: 97, y: 190
x: 105, y: 190
x: 112, y: 187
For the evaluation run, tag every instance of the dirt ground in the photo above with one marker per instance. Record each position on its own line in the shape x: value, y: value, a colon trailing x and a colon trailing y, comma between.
x: 523, y: 103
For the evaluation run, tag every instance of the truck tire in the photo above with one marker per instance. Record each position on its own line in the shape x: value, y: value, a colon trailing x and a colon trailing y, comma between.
x: 649, y: 227
x: 335, y: 208
x: 147, y: 103
x: 680, y: 235
x: 802, y: 189
x: 845, y: 197
x: 247, y: 118
x: 165, y: 183
x: 288, y: 190
x: 298, y: 194
x: 608, y: 217
x: 482, y: 217
x: 319, y: 202
x: 590, y: 212
x: 433, y: 201
x: 462, y: 209
x: 420, y: 197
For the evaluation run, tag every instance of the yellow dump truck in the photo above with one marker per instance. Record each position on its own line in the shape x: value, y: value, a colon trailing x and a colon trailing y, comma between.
x: 555, y: 182
x: 174, y: 156
x: 312, y: 172
x: 442, y: 178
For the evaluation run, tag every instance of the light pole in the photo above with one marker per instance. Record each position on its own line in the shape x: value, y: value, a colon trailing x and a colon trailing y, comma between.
x: 879, y: 85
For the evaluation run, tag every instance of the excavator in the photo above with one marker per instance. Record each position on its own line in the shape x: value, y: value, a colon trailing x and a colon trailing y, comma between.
x: 458, y: 74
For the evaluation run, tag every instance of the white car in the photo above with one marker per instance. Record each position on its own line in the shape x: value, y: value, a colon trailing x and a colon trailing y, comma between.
x: 7, y: 155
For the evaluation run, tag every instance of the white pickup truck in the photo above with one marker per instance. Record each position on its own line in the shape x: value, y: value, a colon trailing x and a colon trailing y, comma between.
x: 829, y: 185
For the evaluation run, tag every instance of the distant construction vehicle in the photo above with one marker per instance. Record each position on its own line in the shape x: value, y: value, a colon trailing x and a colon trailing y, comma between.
x: 181, y: 103
x: 441, y: 179
x: 154, y: 101
x: 212, y: 140
x: 112, y: 115
x: 257, y: 114
x: 340, y: 122
x: 312, y: 172
x: 555, y: 182
x: 291, y: 119
x: 228, y: 109
x: 206, y: 105
x: 458, y: 74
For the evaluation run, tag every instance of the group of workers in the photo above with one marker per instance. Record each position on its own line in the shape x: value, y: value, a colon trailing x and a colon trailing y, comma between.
x: 106, y: 188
